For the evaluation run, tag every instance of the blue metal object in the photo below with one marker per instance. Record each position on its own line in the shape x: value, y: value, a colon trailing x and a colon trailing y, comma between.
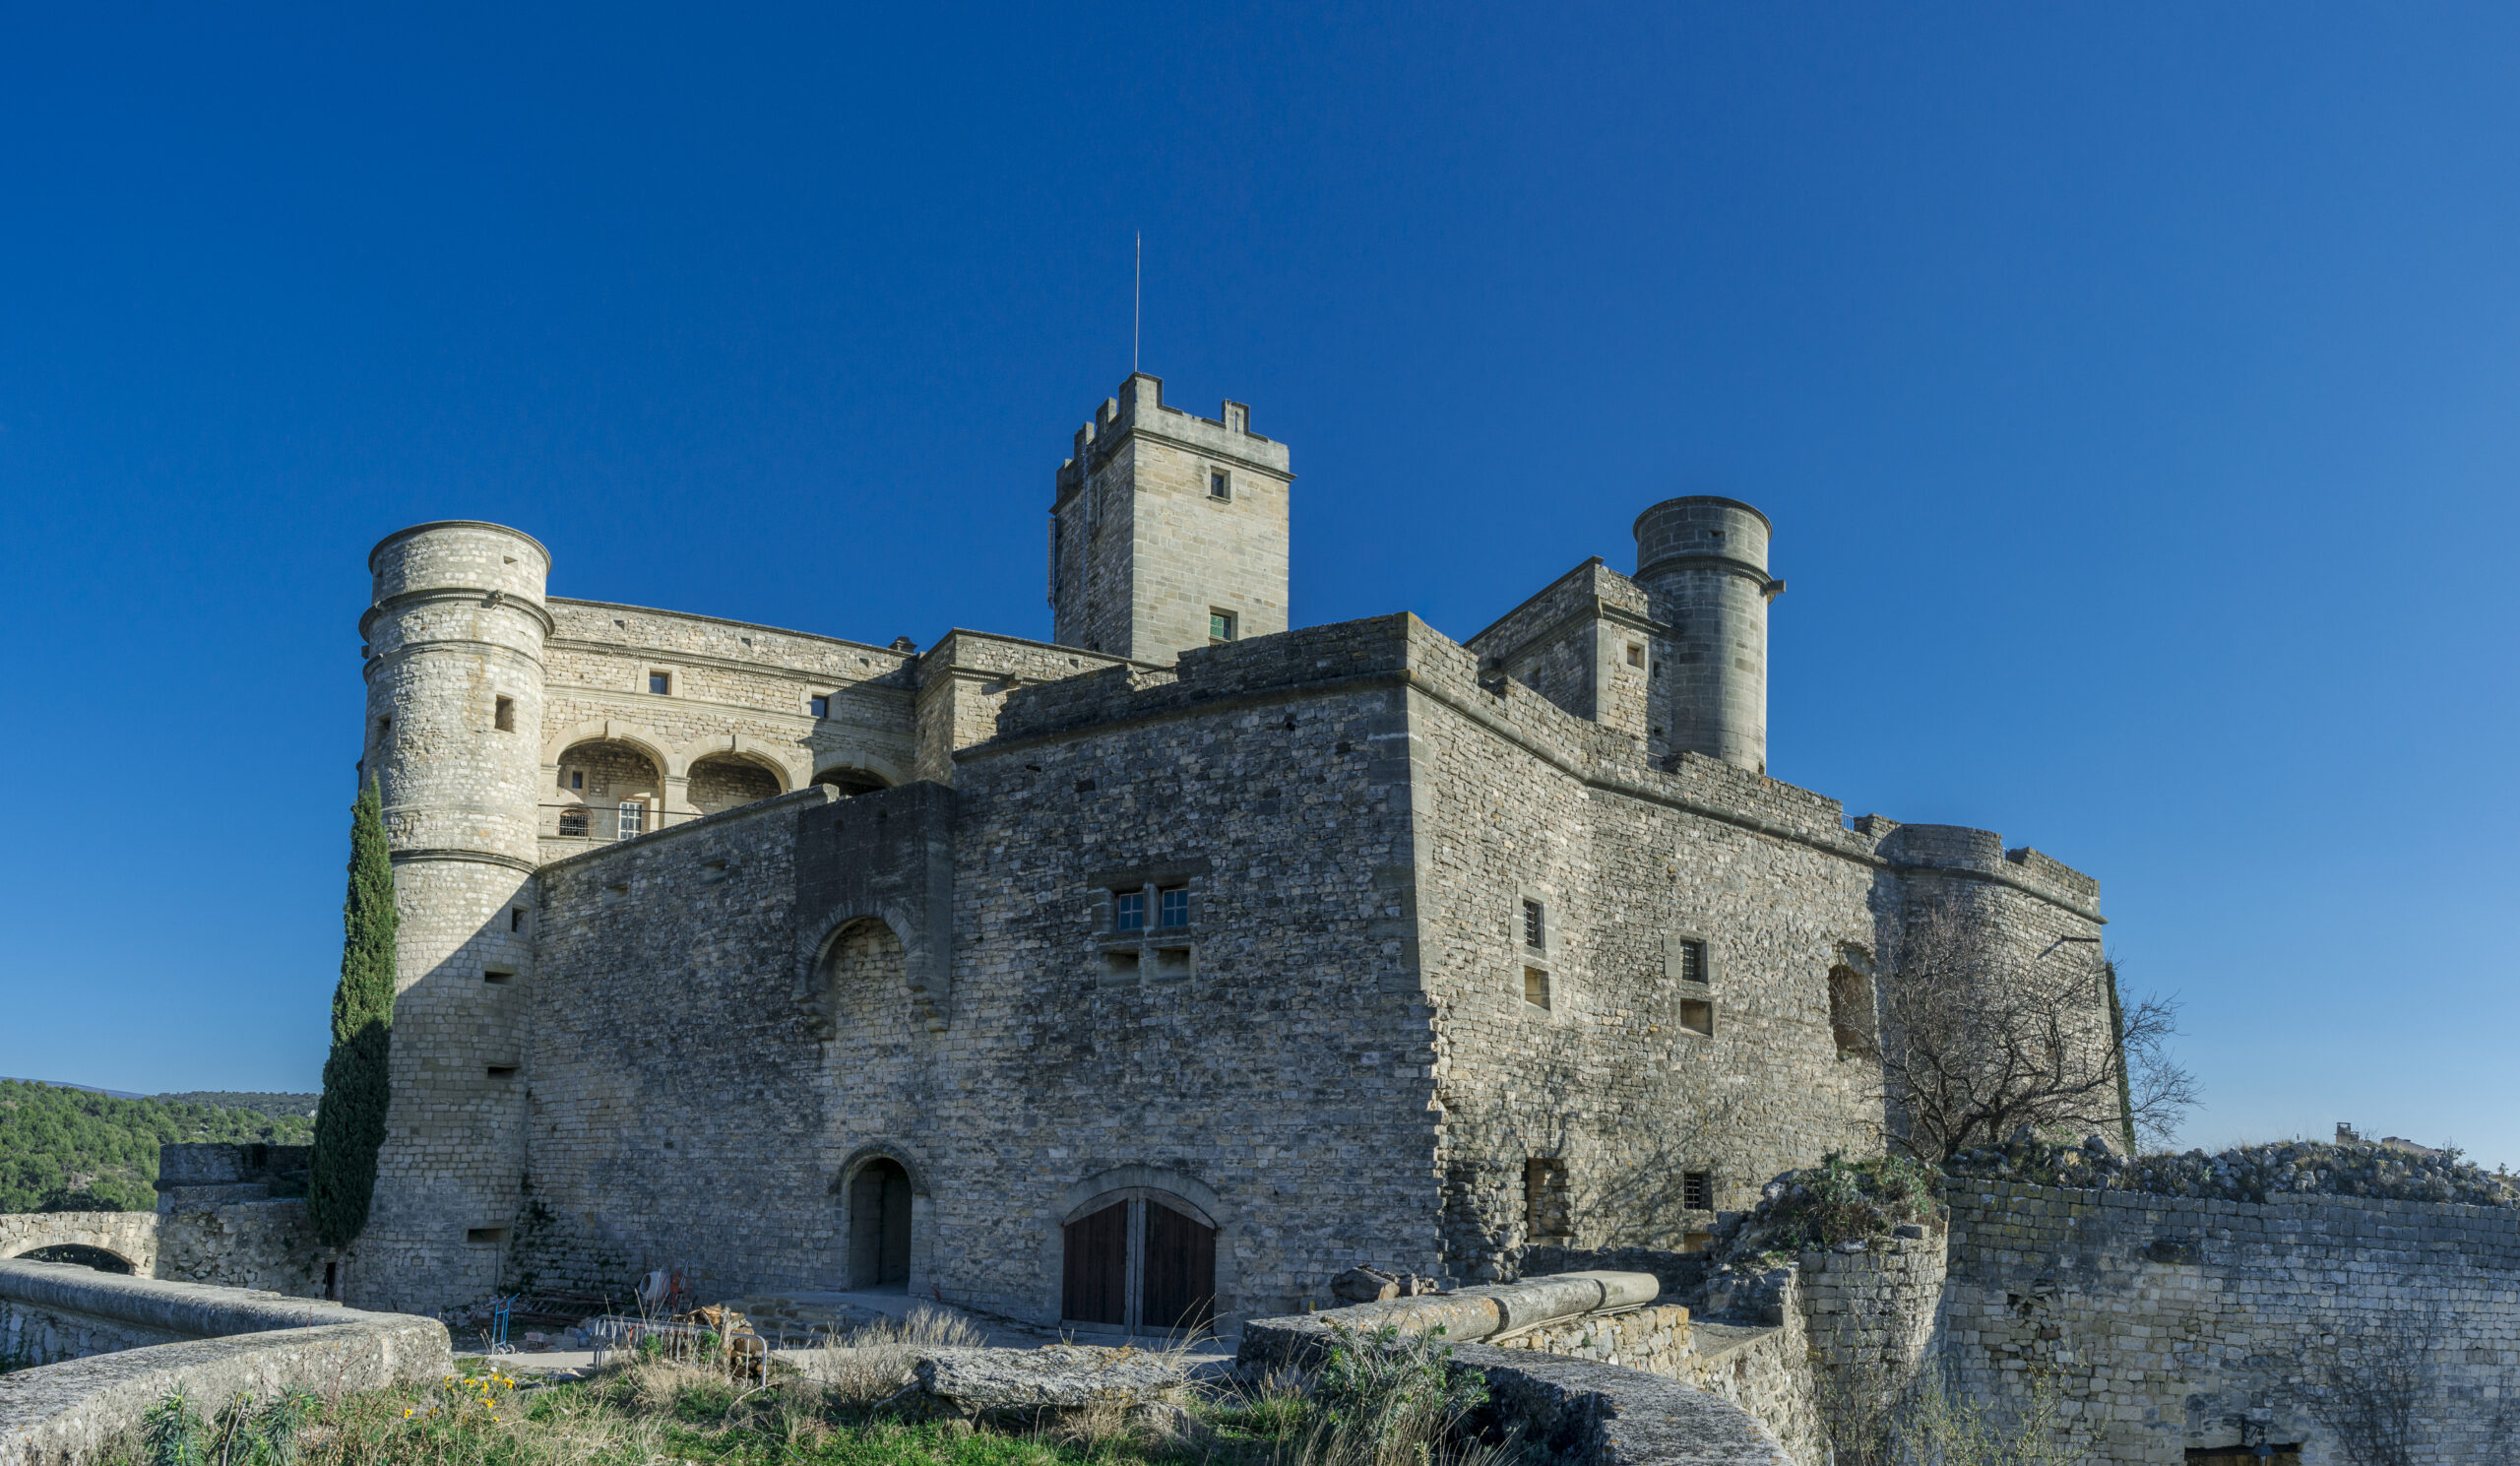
x: 500, y: 1309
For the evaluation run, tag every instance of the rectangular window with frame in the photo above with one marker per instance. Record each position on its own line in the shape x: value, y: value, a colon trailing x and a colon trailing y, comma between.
x: 1697, y: 1190
x: 1173, y: 906
x: 1536, y: 988
x: 1535, y: 927
x: 1220, y: 627
x: 820, y: 707
x: 503, y: 715
x: 1220, y: 484
x: 1691, y: 958
x: 660, y: 683
x: 1128, y: 911
x: 573, y: 824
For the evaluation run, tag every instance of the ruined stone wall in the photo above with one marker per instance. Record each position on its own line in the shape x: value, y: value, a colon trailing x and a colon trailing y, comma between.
x: 2158, y: 1321
x: 268, y: 1246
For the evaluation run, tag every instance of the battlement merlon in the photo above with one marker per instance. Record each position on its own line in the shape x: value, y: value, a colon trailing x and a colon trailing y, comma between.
x: 1138, y: 409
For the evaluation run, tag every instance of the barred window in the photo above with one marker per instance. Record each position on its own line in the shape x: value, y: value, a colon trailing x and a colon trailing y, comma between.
x: 573, y: 824
x: 1692, y: 955
x: 1697, y: 1190
x: 1535, y: 927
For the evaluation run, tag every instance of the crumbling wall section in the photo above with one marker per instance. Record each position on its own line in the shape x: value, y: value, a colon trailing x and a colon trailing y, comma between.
x: 2159, y: 1322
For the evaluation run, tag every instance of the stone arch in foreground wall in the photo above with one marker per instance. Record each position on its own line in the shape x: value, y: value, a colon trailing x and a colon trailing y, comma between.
x: 854, y: 778
x: 1141, y: 1248
x: 128, y: 1236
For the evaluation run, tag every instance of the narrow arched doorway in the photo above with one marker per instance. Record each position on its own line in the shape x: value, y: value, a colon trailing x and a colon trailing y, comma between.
x: 879, y: 1212
x: 1138, y: 1259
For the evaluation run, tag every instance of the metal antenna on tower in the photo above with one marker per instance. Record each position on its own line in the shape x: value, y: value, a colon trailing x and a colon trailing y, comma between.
x: 1137, y: 302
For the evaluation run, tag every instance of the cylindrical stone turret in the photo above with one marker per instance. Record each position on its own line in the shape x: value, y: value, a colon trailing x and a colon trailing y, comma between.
x: 454, y: 665
x: 1703, y: 561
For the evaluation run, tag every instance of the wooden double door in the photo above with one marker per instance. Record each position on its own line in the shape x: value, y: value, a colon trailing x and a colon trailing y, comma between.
x: 1140, y: 1260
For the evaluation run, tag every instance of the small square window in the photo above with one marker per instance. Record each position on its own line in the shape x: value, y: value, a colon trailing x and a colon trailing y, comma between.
x: 1536, y: 988
x: 660, y: 683
x: 1220, y: 484
x: 1535, y: 927
x: 820, y: 707
x: 503, y: 715
x: 1697, y: 1190
x: 1174, y: 906
x: 1635, y: 655
x: 1697, y: 1016
x: 1220, y: 627
x: 1128, y: 912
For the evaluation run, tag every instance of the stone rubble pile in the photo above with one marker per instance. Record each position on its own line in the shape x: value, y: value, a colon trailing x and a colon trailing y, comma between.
x: 2250, y: 1172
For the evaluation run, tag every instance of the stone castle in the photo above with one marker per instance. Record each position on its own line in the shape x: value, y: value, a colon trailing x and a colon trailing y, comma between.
x: 1161, y: 972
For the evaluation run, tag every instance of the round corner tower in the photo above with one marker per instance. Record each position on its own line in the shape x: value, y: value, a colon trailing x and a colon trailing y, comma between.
x: 1703, y: 561
x: 454, y: 732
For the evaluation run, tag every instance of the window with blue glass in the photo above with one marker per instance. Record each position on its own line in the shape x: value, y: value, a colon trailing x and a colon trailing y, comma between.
x: 1174, y: 906
x: 1128, y: 912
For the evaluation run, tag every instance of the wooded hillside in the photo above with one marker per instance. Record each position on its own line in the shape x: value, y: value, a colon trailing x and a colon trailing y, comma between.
x: 68, y: 1150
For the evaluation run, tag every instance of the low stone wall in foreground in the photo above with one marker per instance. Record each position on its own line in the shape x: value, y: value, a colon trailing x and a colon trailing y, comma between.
x: 1575, y: 1404
x: 233, y: 1341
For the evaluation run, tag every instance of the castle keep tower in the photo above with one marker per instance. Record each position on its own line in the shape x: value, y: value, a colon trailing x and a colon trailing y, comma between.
x: 455, y: 688
x: 1704, y: 562
x: 1169, y: 530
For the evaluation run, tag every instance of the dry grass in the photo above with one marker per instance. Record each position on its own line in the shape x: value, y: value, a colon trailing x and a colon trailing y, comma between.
x: 869, y: 1365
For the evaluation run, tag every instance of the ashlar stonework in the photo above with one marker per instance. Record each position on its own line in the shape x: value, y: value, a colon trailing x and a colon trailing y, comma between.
x: 1156, y: 975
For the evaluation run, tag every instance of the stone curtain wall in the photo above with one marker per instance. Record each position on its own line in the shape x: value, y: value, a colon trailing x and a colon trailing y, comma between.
x: 268, y: 1246
x: 2160, y: 1320
x: 1607, y: 1079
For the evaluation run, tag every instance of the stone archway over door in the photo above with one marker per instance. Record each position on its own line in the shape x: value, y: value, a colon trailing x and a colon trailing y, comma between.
x: 1138, y: 1259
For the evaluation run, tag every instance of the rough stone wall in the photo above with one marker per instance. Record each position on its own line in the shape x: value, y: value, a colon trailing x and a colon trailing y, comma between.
x: 723, y: 781
x: 131, y: 1235
x: 672, y: 1075
x: 1155, y: 549
x: 1607, y: 1079
x: 1872, y: 1311
x: 1277, y: 1077
x: 2158, y: 1320
x: 268, y: 1246
x: 1654, y: 1339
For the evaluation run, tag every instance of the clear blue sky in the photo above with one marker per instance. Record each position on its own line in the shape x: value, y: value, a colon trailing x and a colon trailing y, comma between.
x: 2133, y: 389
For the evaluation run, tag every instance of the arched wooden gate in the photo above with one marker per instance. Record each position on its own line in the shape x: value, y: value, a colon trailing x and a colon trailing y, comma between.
x: 1138, y: 1259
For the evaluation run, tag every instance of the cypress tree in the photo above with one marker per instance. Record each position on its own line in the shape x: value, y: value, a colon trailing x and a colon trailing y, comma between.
x: 349, y: 1123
